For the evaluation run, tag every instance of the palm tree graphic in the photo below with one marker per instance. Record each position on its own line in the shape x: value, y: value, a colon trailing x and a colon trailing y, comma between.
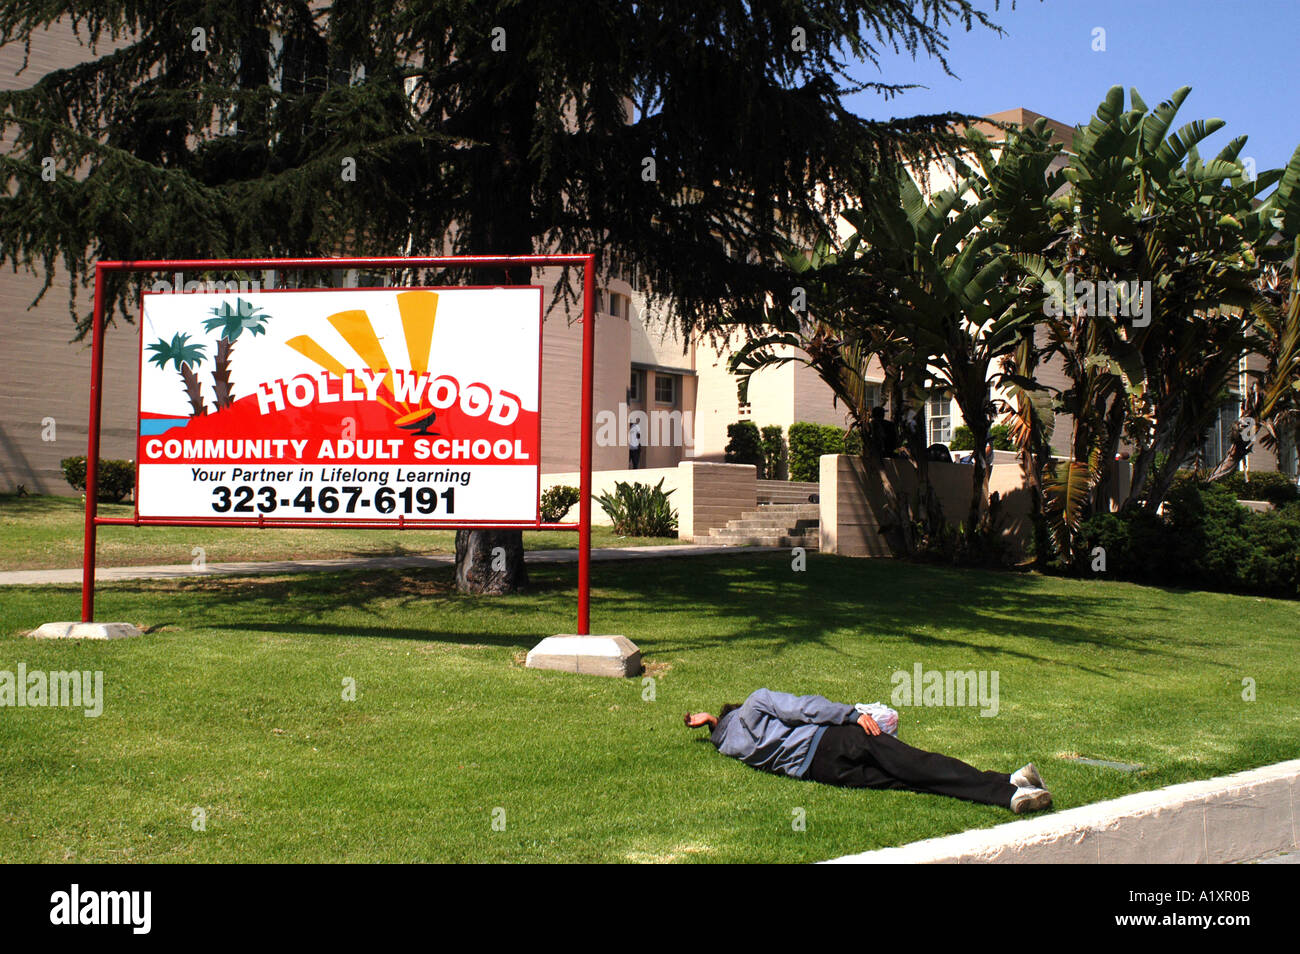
x: 184, y: 355
x: 232, y: 322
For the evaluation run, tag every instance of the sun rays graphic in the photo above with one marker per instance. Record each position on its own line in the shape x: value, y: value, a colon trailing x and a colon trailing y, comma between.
x: 419, y: 311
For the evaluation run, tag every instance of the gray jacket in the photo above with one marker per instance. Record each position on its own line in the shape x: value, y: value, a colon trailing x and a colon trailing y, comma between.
x: 778, y: 732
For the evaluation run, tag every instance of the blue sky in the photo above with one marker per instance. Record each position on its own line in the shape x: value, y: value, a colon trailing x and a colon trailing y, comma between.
x: 1239, y: 58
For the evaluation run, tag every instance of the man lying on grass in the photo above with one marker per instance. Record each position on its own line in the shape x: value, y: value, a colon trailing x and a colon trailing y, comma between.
x: 811, y: 737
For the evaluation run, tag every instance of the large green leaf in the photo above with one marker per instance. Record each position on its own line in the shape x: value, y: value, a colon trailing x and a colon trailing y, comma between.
x: 1065, y: 494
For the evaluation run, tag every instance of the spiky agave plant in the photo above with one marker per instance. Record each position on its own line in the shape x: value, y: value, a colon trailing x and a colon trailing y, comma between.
x: 232, y: 322
x: 184, y: 355
x: 639, y: 510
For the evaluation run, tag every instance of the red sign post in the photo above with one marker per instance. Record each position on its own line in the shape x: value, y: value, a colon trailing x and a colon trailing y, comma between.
x: 173, y: 504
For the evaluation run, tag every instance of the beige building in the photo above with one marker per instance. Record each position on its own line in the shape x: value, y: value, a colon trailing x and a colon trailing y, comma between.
x: 782, y: 395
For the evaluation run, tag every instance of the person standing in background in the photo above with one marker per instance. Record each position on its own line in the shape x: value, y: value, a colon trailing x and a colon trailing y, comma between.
x: 634, y: 446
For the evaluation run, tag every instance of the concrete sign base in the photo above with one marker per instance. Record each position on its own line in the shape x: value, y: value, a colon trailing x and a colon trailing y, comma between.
x: 85, y: 631
x: 590, y: 655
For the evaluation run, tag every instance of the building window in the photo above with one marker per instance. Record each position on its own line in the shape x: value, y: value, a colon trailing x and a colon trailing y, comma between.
x: 939, y: 419
x: 634, y: 389
x: 1287, y: 457
x: 1217, y: 441
x: 744, y: 410
x: 873, y: 395
x: 665, y: 389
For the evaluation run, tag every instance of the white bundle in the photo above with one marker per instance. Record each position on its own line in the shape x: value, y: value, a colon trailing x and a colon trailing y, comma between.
x: 885, y: 717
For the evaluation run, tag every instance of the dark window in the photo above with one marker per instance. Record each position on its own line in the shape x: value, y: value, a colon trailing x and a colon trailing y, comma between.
x: 665, y: 389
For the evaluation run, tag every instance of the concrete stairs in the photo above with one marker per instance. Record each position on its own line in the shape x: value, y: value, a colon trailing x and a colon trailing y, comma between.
x: 772, y: 525
x: 785, y: 491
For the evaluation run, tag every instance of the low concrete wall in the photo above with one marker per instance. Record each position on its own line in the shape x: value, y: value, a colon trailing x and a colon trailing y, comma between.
x: 712, y: 494
x: 849, y: 528
x: 1217, y: 821
x: 705, y: 495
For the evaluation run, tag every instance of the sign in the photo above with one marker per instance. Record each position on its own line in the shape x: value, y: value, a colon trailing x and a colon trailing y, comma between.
x: 389, y: 406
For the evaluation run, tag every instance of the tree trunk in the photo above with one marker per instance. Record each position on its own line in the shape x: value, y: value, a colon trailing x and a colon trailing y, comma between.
x: 1099, y: 495
x: 193, y: 389
x: 221, y: 373
x: 980, y: 476
x: 979, y: 491
x: 915, y: 441
x: 1238, y: 452
x: 490, y: 562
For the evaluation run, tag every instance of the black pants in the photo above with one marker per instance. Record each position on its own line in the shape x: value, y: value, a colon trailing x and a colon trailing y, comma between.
x: 847, y: 756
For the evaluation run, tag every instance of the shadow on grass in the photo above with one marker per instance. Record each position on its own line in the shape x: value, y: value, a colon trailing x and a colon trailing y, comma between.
x: 754, y: 602
x: 914, y: 605
x: 505, y: 641
x: 12, y: 505
x: 310, y: 605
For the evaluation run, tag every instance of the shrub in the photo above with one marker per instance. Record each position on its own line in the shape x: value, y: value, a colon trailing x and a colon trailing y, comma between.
x: 744, y: 445
x: 1277, y: 489
x: 808, y: 442
x: 774, y: 455
x: 116, y: 477
x: 963, y: 439
x: 1132, y: 544
x: 1205, y: 540
x: 556, y: 502
x: 639, y: 510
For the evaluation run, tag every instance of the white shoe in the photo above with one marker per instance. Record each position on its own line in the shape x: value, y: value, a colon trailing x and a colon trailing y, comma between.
x: 1027, y: 777
x: 1030, y: 800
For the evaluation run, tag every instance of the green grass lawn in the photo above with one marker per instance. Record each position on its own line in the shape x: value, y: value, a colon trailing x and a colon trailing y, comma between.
x: 41, y: 533
x: 233, y: 703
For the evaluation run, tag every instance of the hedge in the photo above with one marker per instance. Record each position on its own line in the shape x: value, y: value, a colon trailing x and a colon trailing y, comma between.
x: 1205, y: 540
x: 116, y: 478
x: 963, y: 438
x: 744, y: 445
x: 774, y: 452
x: 808, y: 442
x: 1276, y: 488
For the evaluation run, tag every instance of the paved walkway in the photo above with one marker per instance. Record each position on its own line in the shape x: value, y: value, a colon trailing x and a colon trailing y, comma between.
x: 1248, y: 816
x: 180, y: 570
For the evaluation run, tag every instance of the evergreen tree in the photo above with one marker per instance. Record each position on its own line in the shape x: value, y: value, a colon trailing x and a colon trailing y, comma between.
x: 690, y: 140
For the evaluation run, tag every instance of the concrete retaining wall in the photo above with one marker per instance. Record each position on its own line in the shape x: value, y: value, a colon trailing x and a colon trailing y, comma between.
x: 1217, y: 821
x: 849, y: 528
x: 712, y: 494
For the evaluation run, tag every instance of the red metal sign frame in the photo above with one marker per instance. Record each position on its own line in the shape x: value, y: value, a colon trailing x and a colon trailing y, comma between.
x: 583, y: 526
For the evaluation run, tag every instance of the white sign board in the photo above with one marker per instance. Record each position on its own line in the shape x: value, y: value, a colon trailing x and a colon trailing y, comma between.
x: 381, y: 405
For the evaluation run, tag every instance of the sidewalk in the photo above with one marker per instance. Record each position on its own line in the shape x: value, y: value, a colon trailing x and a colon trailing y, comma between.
x: 182, y: 570
x: 1248, y: 816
